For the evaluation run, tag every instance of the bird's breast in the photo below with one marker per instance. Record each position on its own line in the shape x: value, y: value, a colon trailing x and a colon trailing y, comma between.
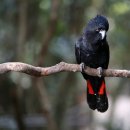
x: 91, y: 59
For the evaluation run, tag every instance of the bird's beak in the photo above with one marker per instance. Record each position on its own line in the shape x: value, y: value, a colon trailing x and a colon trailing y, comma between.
x: 103, y: 33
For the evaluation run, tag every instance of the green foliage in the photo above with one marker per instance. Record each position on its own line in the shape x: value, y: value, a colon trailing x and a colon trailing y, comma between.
x: 120, y: 8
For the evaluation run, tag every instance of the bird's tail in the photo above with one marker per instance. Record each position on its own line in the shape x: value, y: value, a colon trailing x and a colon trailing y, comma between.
x: 96, y: 95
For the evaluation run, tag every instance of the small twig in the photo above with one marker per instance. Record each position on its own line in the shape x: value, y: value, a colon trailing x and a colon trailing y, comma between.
x: 62, y: 66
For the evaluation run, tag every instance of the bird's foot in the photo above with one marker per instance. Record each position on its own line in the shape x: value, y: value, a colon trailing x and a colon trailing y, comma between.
x: 99, y: 71
x: 82, y: 67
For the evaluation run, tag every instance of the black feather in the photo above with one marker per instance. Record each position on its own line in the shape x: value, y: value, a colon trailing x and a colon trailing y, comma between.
x: 93, y: 51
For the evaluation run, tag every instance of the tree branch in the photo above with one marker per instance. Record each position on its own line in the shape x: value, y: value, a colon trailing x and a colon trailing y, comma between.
x: 62, y: 66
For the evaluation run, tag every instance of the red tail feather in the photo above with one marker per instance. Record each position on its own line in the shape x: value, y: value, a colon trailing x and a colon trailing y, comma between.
x: 90, y: 89
x: 102, y: 88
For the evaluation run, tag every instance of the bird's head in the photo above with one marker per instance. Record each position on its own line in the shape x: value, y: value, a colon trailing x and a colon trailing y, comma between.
x: 96, y: 29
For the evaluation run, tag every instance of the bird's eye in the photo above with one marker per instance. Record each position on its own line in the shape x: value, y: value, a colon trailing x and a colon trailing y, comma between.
x: 97, y: 30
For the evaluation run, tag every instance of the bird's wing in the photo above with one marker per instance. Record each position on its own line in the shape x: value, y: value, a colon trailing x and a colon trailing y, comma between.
x: 77, y: 51
x: 106, y: 56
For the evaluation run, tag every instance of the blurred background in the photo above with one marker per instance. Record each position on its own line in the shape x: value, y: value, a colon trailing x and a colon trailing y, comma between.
x: 43, y: 33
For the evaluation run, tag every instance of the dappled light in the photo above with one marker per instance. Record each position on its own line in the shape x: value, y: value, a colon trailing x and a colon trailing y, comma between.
x: 42, y: 33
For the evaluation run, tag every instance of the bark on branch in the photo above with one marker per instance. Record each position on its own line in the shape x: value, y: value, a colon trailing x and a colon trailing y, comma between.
x: 62, y: 66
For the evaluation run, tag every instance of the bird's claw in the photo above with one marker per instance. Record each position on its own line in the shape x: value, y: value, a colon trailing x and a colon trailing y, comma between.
x: 99, y: 71
x: 82, y: 67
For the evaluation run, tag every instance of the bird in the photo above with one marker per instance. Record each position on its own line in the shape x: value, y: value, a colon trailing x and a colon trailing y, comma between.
x: 92, y: 49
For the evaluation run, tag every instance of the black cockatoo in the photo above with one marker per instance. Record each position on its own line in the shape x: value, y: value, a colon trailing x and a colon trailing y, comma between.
x: 92, y: 50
